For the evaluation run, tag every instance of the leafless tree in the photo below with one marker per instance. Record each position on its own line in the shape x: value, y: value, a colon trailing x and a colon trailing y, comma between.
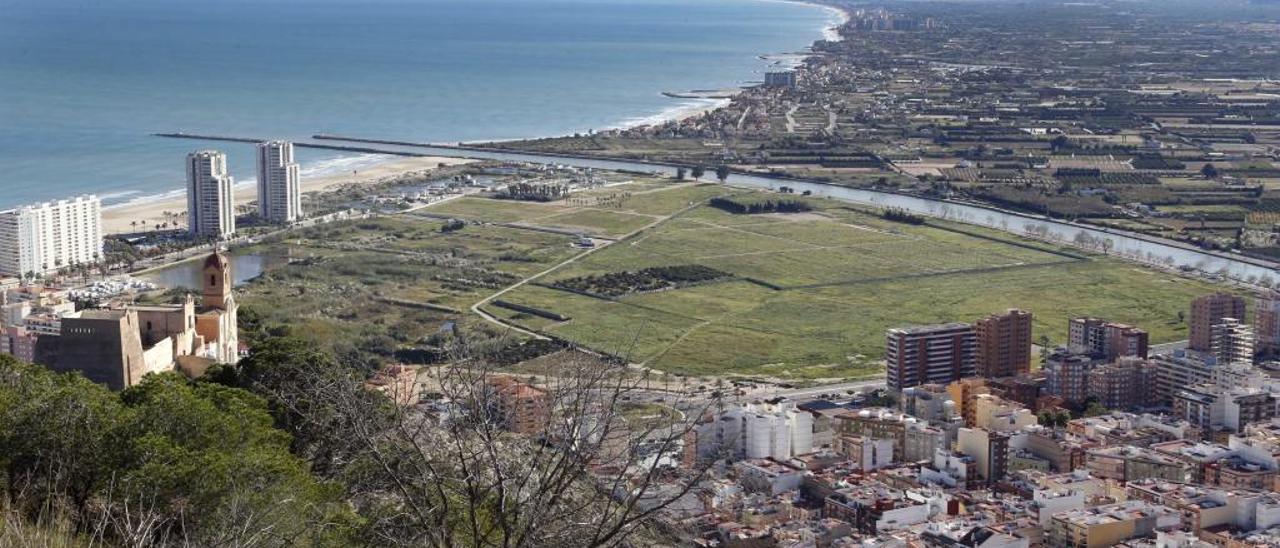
x: 579, y: 471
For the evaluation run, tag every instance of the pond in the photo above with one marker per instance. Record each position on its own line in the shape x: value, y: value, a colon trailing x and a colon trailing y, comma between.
x: 244, y: 269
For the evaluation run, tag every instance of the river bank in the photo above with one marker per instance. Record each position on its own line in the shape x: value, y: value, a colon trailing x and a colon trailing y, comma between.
x: 1139, y: 248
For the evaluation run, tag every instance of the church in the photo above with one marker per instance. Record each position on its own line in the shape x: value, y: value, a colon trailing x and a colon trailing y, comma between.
x: 118, y: 346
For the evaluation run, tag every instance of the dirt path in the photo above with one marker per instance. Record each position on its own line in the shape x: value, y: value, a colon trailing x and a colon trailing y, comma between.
x: 478, y: 307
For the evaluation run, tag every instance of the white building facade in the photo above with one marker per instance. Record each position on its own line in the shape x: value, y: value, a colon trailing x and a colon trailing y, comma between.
x: 279, y: 199
x: 47, y: 237
x: 210, y: 199
x: 757, y: 431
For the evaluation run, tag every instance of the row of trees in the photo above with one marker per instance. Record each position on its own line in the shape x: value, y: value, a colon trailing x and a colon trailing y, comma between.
x: 698, y: 172
x: 616, y: 284
x: 762, y: 206
x: 899, y: 215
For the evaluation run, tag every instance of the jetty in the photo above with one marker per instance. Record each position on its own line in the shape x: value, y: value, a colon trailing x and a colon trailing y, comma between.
x: 303, y: 144
x: 704, y: 94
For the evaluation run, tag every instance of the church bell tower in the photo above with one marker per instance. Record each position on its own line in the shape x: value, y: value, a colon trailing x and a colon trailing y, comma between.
x: 217, y: 282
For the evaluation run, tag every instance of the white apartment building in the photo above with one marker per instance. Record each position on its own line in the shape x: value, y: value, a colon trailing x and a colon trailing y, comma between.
x: 757, y: 431
x: 46, y: 237
x: 279, y: 200
x: 210, y: 200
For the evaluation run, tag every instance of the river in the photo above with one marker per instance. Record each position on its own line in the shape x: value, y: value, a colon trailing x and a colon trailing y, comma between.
x: 1137, y: 247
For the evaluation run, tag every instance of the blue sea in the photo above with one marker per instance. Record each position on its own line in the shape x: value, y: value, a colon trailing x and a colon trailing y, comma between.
x: 84, y: 83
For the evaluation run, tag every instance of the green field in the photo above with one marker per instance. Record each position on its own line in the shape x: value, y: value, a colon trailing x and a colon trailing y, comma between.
x: 604, y: 212
x: 809, y: 297
x: 814, y: 292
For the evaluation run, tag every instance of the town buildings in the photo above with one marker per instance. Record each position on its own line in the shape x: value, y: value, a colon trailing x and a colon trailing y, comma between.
x: 16, y: 341
x: 1067, y: 375
x: 28, y: 314
x: 1131, y: 463
x: 1106, y: 340
x: 1266, y: 321
x: 1111, y: 524
x: 996, y: 414
x: 780, y: 79
x: 1213, y: 407
x: 279, y: 198
x: 989, y: 449
x: 1178, y: 370
x: 1208, y: 311
x: 1125, y: 384
x: 1208, y: 507
x: 756, y: 431
x: 42, y: 238
x: 874, y: 424
x: 929, y: 354
x: 519, y: 407
x: 1003, y: 344
x: 1231, y: 341
x: 210, y: 196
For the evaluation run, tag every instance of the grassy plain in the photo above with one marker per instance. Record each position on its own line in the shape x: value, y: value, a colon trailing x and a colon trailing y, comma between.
x: 814, y: 292
x: 811, y: 295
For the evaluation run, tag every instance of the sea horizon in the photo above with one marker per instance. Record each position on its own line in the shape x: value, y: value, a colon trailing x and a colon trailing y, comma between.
x: 776, y: 26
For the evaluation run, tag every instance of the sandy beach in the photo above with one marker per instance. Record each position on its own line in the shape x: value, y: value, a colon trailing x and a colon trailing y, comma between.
x: 119, y: 219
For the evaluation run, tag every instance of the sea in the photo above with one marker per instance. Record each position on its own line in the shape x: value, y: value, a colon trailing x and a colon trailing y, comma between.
x: 85, y: 83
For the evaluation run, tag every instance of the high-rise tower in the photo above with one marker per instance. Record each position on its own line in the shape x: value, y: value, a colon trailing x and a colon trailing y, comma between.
x: 279, y: 200
x: 210, y: 199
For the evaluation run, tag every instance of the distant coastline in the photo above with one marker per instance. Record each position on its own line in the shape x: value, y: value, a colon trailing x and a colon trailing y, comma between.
x: 123, y: 206
x: 693, y: 107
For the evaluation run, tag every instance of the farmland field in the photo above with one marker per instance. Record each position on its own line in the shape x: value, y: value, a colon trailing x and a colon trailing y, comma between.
x: 812, y: 293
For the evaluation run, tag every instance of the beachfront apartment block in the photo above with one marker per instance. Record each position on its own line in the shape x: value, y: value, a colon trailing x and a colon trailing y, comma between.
x: 279, y: 200
x: 210, y: 195
x: 46, y: 237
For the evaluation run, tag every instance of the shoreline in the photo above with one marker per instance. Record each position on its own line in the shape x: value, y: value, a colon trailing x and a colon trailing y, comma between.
x: 118, y: 218
x: 830, y: 32
x: 151, y: 210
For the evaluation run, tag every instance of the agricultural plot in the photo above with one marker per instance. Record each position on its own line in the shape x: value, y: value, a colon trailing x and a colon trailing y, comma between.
x: 812, y: 293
